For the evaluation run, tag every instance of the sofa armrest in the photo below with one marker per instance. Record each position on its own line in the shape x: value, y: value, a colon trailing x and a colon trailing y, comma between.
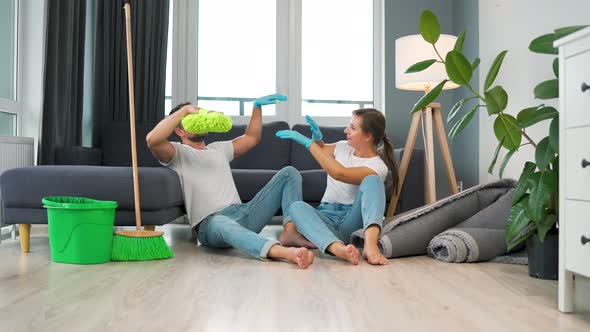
x: 78, y: 155
x: 412, y: 195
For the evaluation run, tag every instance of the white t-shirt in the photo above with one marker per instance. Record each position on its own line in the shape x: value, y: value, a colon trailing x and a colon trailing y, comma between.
x: 206, y: 179
x: 345, y: 193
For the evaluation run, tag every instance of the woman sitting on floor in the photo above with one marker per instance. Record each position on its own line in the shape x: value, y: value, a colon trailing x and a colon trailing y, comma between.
x: 355, y: 193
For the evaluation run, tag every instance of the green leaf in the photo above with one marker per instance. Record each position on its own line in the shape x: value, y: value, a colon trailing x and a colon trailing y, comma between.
x: 545, y: 225
x: 496, y: 99
x: 505, y: 126
x: 496, y: 152
x: 458, y: 68
x: 429, y: 97
x: 475, y: 63
x: 562, y: 32
x: 544, y: 154
x: 554, y: 134
x: 541, y: 194
x: 529, y: 118
x: 494, y: 69
x: 522, y: 185
x: 460, y: 125
x: 420, y: 66
x: 459, y: 42
x: 556, y: 67
x: 429, y: 27
x: 547, y: 90
x: 518, y: 219
x: 455, y: 109
x: 544, y: 44
x: 505, y: 161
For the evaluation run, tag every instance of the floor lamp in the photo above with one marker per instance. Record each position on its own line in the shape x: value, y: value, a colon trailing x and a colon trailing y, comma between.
x: 408, y: 51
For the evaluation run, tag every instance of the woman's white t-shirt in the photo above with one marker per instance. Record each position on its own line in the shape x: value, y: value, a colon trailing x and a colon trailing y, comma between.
x: 345, y: 193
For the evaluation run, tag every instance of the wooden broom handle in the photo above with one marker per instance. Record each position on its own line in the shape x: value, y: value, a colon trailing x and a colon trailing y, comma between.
x: 127, y: 9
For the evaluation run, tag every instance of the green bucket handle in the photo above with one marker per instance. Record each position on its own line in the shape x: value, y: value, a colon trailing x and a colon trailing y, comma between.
x: 78, y: 203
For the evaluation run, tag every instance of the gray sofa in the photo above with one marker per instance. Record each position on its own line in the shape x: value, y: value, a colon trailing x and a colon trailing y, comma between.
x: 105, y: 174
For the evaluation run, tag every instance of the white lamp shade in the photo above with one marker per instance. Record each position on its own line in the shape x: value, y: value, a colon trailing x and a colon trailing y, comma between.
x: 412, y: 49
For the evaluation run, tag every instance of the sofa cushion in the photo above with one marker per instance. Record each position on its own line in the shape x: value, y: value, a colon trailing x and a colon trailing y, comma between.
x: 116, y: 145
x: 159, y: 187
x: 301, y: 158
x: 271, y: 153
x: 250, y: 181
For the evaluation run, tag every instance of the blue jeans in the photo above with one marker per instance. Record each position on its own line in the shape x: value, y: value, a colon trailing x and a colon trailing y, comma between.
x: 238, y: 225
x: 333, y: 222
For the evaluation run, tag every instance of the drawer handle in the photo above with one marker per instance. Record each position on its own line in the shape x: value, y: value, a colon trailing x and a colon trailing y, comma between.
x: 585, y: 86
x: 585, y: 163
x: 585, y: 240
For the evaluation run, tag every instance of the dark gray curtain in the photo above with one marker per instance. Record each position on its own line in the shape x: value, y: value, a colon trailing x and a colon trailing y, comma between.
x: 149, y: 26
x: 64, y: 77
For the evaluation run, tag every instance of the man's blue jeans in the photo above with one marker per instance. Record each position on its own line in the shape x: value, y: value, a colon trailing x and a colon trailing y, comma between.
x: 332, y: 222
x: 238, y: 225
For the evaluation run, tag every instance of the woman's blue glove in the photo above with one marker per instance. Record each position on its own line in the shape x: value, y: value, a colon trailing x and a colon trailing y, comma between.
x: 316, y: 134
x: 270, y: 99
x: 296, y: 136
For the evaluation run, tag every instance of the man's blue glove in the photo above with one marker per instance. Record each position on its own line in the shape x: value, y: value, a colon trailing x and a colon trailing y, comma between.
x: 316, y: 134
x: 296, y: 136
x: 270, y: 99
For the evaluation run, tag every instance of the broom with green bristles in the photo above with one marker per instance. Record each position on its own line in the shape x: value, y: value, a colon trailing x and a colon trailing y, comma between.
x: 137, y: 245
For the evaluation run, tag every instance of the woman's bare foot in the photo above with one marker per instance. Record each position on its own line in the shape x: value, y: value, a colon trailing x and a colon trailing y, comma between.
x: 349, y: 252
x: 301, y: 256
x: 374, y: 256
x: 290, y: 237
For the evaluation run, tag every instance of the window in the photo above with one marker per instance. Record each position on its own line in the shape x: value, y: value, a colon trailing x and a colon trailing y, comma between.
x: 7, y: 124
x: 337, y: 56
x: 8, y: 67
x: 302, y: 48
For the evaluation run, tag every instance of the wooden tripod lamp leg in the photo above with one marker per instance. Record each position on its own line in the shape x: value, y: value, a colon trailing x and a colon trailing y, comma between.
x: 410, y: 142
x: 429, y: 178
x: 441, y: 136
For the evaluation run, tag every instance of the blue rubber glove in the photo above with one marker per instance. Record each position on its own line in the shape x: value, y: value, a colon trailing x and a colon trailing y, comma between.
x: 270, y: 99
x: 295, y: 136
x: 316, y: 134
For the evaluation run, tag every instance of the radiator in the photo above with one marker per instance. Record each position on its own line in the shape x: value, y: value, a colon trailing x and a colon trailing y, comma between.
x: 15, y: 152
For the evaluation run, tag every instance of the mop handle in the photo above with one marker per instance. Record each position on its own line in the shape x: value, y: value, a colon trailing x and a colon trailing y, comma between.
x: 127, y: 9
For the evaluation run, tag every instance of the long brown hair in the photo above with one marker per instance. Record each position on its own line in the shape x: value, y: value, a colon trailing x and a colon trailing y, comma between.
x: 373, y: 122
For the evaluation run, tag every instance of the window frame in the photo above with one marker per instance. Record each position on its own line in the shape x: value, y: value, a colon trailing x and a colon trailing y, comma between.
x: 288, y: 62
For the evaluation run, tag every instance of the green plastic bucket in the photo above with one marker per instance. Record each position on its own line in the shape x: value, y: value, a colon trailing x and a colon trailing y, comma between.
x: 80, y: 229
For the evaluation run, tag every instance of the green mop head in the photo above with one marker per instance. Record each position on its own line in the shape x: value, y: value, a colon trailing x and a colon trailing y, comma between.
x: 139, y: 246
x: 206, y: 122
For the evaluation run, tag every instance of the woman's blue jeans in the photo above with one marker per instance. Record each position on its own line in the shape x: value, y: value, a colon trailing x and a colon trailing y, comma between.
x: 332, y: 222
x: 238, y: 225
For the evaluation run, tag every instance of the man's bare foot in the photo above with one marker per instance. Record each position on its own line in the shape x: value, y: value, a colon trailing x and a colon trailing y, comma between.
x: 374, y: 257
x: 300, y: 256
x: 349, y: 252
x: 290, y: 237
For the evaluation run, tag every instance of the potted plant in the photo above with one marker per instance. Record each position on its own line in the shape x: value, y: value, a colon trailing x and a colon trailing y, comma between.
x: 534, y: 206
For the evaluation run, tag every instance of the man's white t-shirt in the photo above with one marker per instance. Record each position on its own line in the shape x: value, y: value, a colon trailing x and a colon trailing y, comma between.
x: 206, y: 179
x: 345, y: 193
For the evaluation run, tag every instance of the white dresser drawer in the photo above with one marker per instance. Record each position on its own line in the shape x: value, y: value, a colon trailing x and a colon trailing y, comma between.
x: 577, y: 224
x: 577, y: 178
x: 577, y: 103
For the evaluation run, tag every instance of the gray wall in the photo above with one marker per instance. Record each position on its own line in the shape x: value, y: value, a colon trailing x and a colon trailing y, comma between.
x: 402, y: 18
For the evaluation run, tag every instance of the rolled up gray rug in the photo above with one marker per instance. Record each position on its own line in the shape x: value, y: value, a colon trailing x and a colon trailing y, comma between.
x: 479, y: 238
x: 481, y: 211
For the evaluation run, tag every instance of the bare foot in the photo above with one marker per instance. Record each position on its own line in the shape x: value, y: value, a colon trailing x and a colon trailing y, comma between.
x: 301, y: 256
x: 374, y: 257
x: 352, y: 254
x: 290, y: 237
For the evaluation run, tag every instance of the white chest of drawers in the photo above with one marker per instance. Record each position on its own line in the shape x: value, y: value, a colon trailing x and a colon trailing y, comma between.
x: 574, y: 163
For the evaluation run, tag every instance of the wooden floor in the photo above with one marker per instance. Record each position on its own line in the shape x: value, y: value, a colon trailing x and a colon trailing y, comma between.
x: 222, y: 290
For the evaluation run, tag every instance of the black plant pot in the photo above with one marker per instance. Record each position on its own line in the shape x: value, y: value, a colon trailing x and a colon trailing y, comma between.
x: 543, y: 257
